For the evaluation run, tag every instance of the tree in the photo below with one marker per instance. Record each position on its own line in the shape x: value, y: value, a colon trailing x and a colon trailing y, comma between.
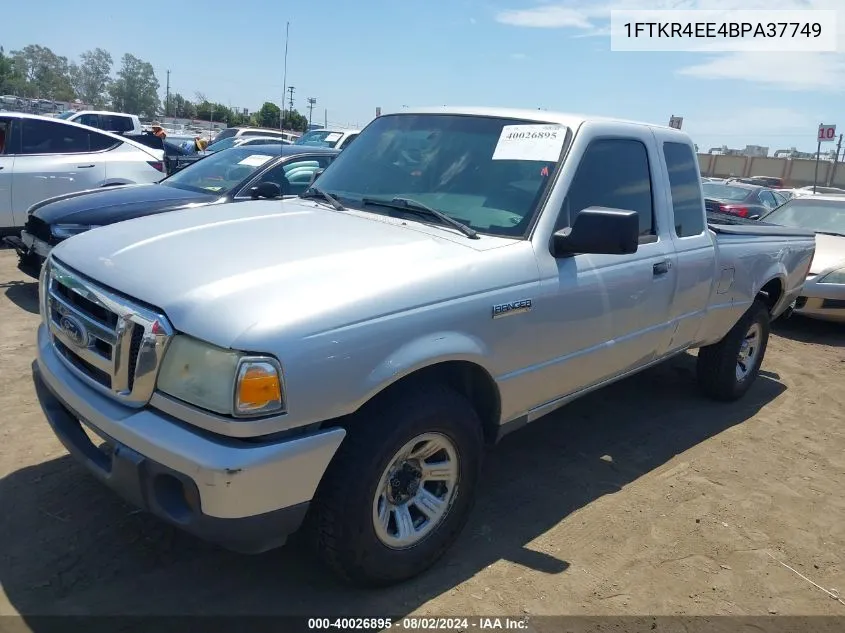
x: 269, y: 115
x: 181, y: 108
x: 46, y: 75
x: 11, y: 81
x: 295, y: 121
x: 135, y: 91
x: 91, y: 78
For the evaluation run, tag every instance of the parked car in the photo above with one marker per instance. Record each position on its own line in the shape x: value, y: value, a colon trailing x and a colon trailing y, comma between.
x: 347, y: 355
x: 770, y: 182
x: 238, y: 141
x: 234, y: 175
x: 339, y: 139
x: 116, y: 122
x: 738, y: 198
x: 42, y: 157
x: 823, y: 294
x: 251, y: 131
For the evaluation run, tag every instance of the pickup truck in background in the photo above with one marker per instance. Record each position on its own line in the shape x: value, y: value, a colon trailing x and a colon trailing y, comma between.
x: 115, y: 122
x: 339, y: 361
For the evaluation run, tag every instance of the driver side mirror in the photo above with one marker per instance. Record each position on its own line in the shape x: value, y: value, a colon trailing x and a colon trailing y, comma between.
x: 265, y: 189
x: 598, y: 230
x: 315, y: 175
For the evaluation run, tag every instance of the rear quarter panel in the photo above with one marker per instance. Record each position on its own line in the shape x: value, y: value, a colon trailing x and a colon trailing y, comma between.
x: 745, y: 265
x: 126, y: 164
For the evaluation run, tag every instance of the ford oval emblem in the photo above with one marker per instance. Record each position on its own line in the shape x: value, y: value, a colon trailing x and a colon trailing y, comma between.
x: 74, y: 330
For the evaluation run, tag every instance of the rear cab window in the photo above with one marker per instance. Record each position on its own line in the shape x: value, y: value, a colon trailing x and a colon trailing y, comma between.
x: 685, y: 186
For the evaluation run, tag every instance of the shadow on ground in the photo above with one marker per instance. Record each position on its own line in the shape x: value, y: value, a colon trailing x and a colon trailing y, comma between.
x: 804, y: 330
x: 70, y: 547
x: 23, y: 294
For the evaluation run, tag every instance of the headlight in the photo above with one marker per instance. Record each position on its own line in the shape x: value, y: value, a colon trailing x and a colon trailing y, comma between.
x: 68, y: 230
x: 834, y: 277
x: 221, y: 380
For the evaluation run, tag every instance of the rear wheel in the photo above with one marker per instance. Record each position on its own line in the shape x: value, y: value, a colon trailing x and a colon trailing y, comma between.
x: 401, y: 486
x: 727, y: 369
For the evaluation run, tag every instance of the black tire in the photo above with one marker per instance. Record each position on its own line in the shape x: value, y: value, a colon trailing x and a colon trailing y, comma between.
x: 341, y: 518
x: 717, y: 363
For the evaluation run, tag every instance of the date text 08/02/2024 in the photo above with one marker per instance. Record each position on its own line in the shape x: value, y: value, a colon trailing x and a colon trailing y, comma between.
x: 713, y: 30
x: 419, y: 623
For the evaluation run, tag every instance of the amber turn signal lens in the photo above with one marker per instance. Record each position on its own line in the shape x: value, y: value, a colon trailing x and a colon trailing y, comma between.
x: 259, y: 388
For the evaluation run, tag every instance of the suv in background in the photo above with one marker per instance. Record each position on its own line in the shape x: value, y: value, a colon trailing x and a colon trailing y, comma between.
x: 115, y: 122
x: 229, y: 132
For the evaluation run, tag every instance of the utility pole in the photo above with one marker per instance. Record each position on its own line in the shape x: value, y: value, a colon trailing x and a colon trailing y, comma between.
x: 285, y: 78
x: 167, y: 97
x: 835, y: 161
x: 290, y: 101
x: 312, y: 101
x: 326, y: 117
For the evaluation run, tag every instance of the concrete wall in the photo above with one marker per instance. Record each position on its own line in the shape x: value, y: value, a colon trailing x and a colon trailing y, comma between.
x: 795, y: 172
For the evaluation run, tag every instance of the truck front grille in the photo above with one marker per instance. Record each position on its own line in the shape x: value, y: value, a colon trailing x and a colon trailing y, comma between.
x: 112, y: 343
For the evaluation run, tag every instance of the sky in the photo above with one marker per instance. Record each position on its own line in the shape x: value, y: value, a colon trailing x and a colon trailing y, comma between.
x: 555, y: 55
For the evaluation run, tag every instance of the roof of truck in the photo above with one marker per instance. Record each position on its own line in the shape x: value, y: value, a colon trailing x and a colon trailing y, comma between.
x: 570, y: 120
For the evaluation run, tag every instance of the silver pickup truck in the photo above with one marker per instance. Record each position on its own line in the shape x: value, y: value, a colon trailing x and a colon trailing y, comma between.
x: 341, y: 360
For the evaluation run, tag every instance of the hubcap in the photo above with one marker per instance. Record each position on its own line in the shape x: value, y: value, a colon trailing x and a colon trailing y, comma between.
x: 416, y: 490
x: 747, y: 356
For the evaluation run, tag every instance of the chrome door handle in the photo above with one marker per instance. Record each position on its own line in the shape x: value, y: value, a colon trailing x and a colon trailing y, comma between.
x: 661, y: 268
x: 84, y: 166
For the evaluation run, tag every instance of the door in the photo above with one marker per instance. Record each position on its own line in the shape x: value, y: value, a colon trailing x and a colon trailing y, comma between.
x: 609, y: 314
x: 7, y: 162
x: 293, y: 176
x: 694, y: 252
x: 54, y: 159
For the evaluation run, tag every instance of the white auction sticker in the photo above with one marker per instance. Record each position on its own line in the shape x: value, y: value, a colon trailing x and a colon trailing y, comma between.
x: 255, y: 160
x: 332, y: 137
x: 530, y: 142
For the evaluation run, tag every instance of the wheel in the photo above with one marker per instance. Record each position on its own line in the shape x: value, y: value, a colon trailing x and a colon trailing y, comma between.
x: 727, y: 369
x: 400, y: 487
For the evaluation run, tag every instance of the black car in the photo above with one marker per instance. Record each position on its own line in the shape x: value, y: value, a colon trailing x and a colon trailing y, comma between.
x: 740, y: 199
x: 233, y: 175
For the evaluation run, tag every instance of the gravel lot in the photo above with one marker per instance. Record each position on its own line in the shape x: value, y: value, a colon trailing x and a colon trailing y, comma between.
x: 644, y: 498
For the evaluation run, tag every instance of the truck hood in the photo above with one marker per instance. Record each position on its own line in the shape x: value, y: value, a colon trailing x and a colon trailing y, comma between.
x: 830, y: 252
x: 115, y: 204
x: 291, y: 266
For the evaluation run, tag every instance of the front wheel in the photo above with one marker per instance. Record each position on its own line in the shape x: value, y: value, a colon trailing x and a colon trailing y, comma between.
x: 401, y: 486
x: 727, y: 369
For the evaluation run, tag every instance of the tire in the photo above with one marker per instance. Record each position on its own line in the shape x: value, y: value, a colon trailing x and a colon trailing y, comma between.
x: 344, y: 512
x: 719, y: 369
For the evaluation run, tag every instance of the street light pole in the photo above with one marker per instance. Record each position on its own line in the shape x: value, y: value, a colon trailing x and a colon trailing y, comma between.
x: 284, y: 78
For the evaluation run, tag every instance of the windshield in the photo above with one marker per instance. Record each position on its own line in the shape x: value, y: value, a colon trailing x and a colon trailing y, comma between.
x: 319, y: 138
x: 66, y: 114
x: 220, y: 172
x: 226, y: 143
x: 821, y: 216
x: 724, y: 192
x: 488, y: 173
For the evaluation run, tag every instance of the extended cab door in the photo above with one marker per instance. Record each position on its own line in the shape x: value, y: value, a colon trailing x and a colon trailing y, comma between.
x: 606, y: 315
x: 694, y: 252
x: 54, y: 158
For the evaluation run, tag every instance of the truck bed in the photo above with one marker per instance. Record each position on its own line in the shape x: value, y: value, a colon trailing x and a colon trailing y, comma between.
x: 726, y: 224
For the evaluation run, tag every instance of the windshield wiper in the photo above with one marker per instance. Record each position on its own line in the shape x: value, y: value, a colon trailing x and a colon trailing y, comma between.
x: 313, y: 192
x: 414, y: 206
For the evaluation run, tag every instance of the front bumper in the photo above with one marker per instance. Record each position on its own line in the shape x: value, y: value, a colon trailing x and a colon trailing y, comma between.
x: 32, y: 252
x: 825, y: 302
x: 248, y: 497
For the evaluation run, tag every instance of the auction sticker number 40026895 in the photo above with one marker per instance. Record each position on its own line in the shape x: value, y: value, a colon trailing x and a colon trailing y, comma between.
x: 542, y: 142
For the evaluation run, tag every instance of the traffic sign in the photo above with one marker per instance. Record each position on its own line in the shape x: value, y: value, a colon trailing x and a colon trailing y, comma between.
x: 676, y: 121
x: 827, y: 133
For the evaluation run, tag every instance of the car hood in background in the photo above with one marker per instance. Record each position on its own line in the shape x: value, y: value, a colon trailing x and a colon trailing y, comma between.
x: 115, y: 204
x: 830, y: 253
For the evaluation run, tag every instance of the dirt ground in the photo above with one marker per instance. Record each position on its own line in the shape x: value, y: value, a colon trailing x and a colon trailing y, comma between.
x: 644, y: 498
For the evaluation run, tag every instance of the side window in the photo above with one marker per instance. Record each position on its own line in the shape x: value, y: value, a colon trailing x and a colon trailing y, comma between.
x: 101, y: 142
x: 685, y: 185
x: 613, y: 173
x: 294, y: 176
x: 89, y: 119
x: 768, y: 199
x: 348, y: 140
x: 116, y: 123
x: 47, y: 137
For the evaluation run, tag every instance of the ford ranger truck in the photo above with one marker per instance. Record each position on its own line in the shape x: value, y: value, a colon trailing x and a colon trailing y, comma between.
x: 339, y: 361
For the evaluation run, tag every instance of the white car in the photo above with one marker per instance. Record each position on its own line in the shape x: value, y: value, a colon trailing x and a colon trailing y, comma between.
x: 239, y: 141
x: 336, y: 139
x: 43, y: 157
